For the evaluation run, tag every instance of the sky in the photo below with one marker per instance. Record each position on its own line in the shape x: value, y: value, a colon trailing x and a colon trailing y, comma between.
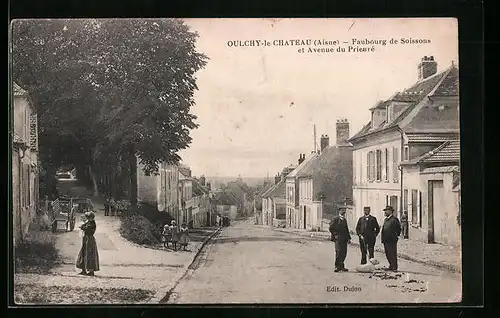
x: 257, y: 105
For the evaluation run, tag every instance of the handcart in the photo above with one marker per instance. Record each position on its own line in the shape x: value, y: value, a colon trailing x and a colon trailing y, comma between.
x: 64, y: 217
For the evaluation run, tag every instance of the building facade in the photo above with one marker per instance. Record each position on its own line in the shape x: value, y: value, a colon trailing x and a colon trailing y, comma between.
x: 25, y: 165
x: 404, y: 127
x: 431, y: 197
x: 292, y: 192
x: 326, y: 181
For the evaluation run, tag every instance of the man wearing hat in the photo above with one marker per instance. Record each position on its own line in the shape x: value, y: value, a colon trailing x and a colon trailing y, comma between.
x: 390, y: 233
x: 341, y: 237
x: 367, y: 230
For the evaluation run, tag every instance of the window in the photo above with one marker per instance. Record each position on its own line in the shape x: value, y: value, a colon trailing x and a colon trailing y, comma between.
x: 395, y: 159
x: 414, y: 211
x: 407, y: 153
x: 386, y: 165
x: 147, y: 173
x: 420, y: 208
x: 379, y: 164
x: 405, y: 200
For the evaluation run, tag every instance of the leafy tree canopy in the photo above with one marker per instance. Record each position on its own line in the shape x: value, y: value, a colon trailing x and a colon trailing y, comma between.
x: 104, y: 88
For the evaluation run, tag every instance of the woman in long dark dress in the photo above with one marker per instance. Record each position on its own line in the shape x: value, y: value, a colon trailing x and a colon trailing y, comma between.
x: 88, y: 258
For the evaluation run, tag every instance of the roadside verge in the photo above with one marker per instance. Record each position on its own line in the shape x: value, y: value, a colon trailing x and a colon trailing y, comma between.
x: 163, y: 294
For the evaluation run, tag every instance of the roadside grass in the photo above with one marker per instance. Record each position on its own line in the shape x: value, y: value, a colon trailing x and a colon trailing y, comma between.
x: 37, y: 294
x: 37, y: 253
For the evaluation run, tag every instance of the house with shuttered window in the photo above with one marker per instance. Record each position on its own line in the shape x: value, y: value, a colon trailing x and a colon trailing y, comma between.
x: 406, y: 126
x: 25, y: 178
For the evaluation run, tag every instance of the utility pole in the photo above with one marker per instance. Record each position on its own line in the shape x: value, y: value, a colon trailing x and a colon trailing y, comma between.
x: 314, y: 128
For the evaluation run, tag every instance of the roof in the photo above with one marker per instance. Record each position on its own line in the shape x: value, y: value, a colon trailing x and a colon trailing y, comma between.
x: 449, y: 151
x: 264, y: 189
x: 331, y: 158
x: 431, y: 137
x: 430, y: 115
x: 278, y: 191
x: 186, y: 172
x: 295, y: 171
x: 198, y: 189
x: 269, y: 190
x: 445, y: 169
x: 223, y: 198
x: 18, y: 91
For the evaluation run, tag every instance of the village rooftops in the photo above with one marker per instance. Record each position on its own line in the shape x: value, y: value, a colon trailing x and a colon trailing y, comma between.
x: 332, y: 160
x: 278, y: 191
x: 448, y: 152
x: 224, y: 198
x: 295, y: 171
x: 421, y: 112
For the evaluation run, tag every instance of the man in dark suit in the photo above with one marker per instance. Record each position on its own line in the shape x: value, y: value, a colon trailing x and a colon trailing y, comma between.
x: 367, y: 230
x: 390, y: 233
x: 341, y: 237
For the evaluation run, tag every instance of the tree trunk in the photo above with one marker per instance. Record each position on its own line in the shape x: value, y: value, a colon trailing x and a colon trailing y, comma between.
x: 132, y: 160
x: 95, y: 190
x: 50, y: 183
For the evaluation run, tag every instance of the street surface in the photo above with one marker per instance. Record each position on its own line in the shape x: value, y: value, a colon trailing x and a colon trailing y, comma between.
x: 249, y: 263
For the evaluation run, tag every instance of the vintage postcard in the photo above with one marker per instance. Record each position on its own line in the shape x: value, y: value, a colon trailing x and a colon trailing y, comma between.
x: 235, y: 161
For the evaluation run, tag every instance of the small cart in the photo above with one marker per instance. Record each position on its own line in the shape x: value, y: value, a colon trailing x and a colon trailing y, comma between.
x: 64, y: 217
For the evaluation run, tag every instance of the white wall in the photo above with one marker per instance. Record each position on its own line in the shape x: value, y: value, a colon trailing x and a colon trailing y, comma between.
x: 374, y: 193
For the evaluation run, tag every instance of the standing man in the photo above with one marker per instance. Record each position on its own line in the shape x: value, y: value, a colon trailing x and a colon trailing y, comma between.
x: 367, y: 230
x: 404, y: 224
x: 341, y: 237
x: 390, y: 233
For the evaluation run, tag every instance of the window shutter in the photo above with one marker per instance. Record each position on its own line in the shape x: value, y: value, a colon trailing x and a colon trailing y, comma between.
x: 368, y: 166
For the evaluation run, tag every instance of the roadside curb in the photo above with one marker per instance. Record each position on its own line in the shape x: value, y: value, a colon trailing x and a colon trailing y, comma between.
x: 448, y: 267
x: 164, y: 293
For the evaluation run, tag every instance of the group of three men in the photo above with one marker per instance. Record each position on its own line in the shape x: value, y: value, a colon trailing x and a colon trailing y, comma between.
x: 367, y: 230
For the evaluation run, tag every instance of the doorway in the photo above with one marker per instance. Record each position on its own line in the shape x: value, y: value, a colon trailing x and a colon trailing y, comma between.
x: 435, y: 192
x: 305, y: 217
x: 394, y: 202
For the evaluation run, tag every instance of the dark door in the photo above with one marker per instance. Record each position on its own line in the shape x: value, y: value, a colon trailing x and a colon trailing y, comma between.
x: 305, y: 217
x: 430, y: 213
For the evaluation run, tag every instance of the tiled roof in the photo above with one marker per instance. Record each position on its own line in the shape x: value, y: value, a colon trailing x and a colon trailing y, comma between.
x: 185, y: 171
x: 198, y: 189
x: 278, y: 191
x: 449, y: 151
x: 18, y: 91
x: 330, y: 159
x: 446, y: 169
x: 431, y: 137
x: 224, y: 198
x: 294, y: 173
x: 414, y: 95
x: 269, y: 190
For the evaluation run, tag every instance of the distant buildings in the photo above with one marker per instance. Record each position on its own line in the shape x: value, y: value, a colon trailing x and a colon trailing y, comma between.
x: 25, y: 166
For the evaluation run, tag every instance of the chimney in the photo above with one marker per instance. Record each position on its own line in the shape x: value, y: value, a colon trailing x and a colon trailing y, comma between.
x: 427, y: 67
x: 342, y: 132
x: 202, y: 180
x: 325, y: 142
x: 302, y: 157
x: 277, y: 179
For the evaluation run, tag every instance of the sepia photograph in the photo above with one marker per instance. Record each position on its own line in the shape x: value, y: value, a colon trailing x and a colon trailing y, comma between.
x: 235, y: 161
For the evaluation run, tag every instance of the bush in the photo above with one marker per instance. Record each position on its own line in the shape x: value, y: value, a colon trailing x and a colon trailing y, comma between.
x: 36, y: 253
x: 138, y: 229
x: 144, y: 225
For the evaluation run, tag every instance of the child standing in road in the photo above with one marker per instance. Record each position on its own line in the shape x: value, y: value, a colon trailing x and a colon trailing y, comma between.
x: 184, y: 236
x: 174, y: 232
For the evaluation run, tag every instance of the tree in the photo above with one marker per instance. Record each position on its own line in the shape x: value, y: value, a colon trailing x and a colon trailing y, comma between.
x: 133, y: 81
